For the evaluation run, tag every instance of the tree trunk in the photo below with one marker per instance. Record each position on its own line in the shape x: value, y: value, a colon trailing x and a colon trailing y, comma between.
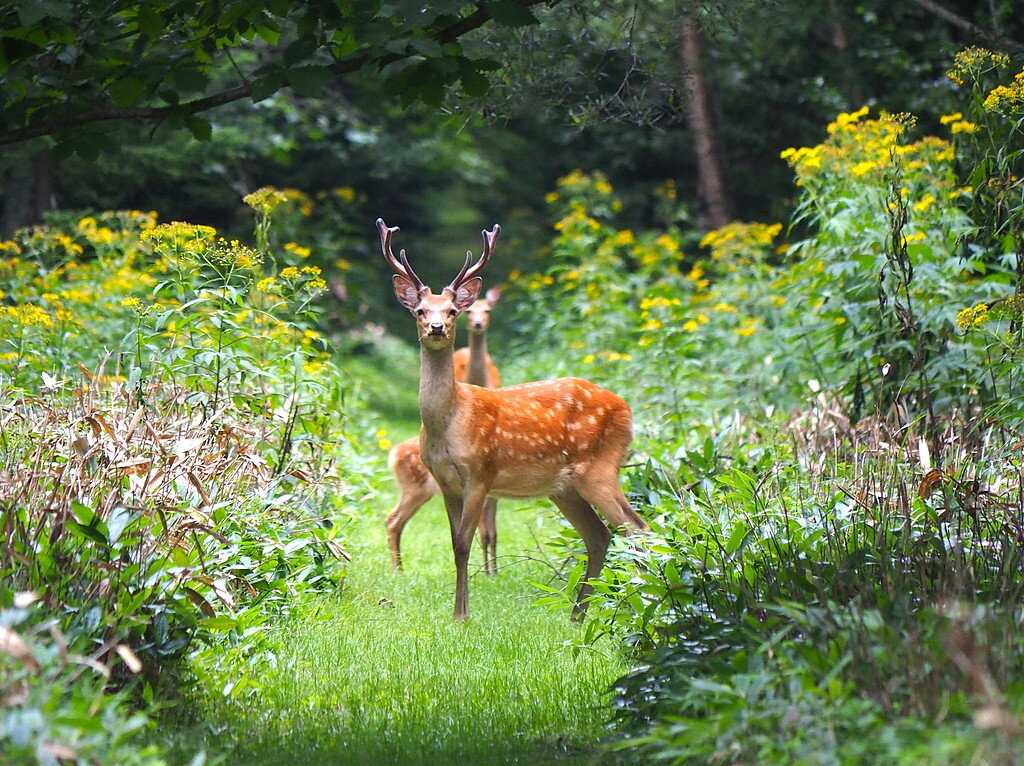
x: 841, y: 42
x: 27, y: 185
x: 711, y: 187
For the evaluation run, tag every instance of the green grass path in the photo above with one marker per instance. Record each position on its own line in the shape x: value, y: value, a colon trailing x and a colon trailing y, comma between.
x: 382, y: 674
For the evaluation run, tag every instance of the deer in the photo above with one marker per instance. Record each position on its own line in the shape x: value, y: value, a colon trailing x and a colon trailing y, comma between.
x: 416, y: 486
x: 564, y: 439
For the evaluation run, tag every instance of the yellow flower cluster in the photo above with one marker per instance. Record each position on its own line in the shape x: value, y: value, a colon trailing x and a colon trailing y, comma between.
x: 861, y: 150
x: 740, y: 242
x: 297, y: 249
x: 747, y: 328
x: 970, y: 318
x: 577, y: 222
x: 307, y: 278
x: 264, y: 200
x: 970, y: 63
x: 233, y: 255
x: 40, y: 240
x: 666, y: 189
x: 607, y: 356
x: 845, y: 119
x: 178, y: 236
x: 27, y: 315
x: 1007, y: 99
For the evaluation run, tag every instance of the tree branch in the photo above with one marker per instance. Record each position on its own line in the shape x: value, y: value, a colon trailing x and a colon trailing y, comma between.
x: 155, y: 113
x: 991, y: 38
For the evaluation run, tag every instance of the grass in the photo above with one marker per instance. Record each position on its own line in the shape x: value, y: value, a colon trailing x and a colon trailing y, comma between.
x: 382, y: 675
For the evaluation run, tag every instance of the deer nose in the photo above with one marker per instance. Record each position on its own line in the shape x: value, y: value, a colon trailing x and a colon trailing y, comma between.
x: 478, y: 325
x: 436, y: 328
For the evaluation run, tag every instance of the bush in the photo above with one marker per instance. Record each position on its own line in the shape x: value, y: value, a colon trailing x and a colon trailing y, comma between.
x: 171, y: 438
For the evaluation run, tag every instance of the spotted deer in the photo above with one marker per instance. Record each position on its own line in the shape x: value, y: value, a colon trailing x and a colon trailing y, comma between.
x: 564, y: 439
x: 416, y: 486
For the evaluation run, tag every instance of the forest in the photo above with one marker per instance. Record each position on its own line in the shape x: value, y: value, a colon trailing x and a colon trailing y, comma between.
x: 724, y: 463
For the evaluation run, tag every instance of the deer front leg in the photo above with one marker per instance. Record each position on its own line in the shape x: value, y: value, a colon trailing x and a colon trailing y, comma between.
x: 489, y: 535
x: 464, y: 518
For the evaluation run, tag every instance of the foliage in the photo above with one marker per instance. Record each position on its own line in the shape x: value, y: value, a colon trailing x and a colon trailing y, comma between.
x: 71, y: 66
x: 54, y: 707
x: 165, y: 482
x: 822, y: 584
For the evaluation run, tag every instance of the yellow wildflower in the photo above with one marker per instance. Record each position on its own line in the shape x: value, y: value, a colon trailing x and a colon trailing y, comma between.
x: 264, y: 200
x: 748, y: 328
x: 924, y: 203
x: 862, y: 168
x: 970, y: 318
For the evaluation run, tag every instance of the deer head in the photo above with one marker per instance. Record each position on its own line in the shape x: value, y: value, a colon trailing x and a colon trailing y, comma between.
x: 479, y: 313
x: 435, y: 314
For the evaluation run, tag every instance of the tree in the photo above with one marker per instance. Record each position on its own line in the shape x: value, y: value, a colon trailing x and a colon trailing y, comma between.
x: 69, y: 68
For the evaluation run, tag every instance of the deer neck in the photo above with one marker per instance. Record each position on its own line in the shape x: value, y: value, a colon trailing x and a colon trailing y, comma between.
x: 438, y: 395
x: 477, y: 372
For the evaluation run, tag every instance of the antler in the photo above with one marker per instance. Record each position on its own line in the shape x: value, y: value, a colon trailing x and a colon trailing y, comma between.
x: 401, y: 263
x: 470, y: 269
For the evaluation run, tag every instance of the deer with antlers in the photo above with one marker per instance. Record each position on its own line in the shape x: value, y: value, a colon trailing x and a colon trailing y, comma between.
x: 564, y: 439
x: 416, y: 486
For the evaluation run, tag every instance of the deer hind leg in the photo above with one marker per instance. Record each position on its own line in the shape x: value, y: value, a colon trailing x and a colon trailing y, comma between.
x: 489, y: 535
x: 463, y: 518
x: 415, y: 492
x: 596, y: 538
x: 599, y: 486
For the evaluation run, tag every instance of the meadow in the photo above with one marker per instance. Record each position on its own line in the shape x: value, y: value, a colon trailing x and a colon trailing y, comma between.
x: 828, y: 419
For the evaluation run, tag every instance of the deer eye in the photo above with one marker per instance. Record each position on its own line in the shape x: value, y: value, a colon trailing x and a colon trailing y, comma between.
x: 452, y: 312
x: 420, y: 312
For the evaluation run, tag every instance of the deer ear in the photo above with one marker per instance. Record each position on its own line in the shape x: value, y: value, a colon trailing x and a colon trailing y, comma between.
x: 466, y: 293
x: 406, y: 292
x: 493, y: 296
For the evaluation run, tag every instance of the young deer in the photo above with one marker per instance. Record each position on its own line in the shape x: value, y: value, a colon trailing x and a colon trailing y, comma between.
x: 564, y: 439
x: 416, y: 486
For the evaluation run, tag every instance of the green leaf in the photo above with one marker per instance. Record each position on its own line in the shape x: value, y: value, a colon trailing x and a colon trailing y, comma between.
x: 267, y: 85
x: 218, y: 624
x: 199, y: 127
x: 83, y: 513
x: 149, y: 21
x: 509, y: 13
x: 309, y: 81
x: 34, y: 11
x: 90, y: 532
x: 126, y: 92
x: 475, y: 84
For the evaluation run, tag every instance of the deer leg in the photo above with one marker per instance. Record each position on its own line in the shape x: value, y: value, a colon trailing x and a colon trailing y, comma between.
x: 600, y: 487
x: 413, y: 497
x: 463, y: 518
x: 489, y: 535
x: 595, y: 536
